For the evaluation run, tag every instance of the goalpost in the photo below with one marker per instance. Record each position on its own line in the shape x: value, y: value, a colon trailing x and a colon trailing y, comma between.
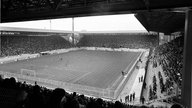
x: 28, y: 72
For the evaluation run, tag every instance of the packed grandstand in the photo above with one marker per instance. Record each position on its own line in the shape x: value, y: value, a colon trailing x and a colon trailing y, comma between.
x: 19, y: 94
x: 15, y: 45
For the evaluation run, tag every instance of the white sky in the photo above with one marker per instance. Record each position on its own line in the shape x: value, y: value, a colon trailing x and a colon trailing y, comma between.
x: 92, y: 23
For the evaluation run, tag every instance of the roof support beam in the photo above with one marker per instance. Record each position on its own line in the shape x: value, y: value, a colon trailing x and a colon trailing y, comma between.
x: 58, y: 4
x: 187, y: 68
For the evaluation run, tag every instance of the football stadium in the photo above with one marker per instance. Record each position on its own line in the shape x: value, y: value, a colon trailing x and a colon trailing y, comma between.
x: 104, y: 66
x: 97, y: 71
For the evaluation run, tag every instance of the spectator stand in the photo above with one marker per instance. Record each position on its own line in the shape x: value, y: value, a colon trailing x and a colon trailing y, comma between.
x: 166, y: 59
x: 30, y: 96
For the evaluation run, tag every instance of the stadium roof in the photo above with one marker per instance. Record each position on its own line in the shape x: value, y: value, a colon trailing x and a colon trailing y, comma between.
x: 115, y: 31
x: 26, y: 10
x: 166, y: 22
x: 33, y: 30
x: 19, y: 29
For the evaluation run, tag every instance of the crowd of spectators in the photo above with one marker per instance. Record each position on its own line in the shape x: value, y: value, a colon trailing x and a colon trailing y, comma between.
x: 121, y: 40
x: 35, y: 96
x: 16, y: 45
x: 170, y: 57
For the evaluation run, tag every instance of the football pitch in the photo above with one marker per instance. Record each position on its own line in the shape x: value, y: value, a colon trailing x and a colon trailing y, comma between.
x: 94, y: 69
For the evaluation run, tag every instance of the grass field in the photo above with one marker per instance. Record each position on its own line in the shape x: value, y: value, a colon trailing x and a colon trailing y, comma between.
x: 100, y: 69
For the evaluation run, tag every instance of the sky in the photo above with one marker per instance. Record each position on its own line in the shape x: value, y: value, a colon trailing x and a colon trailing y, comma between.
x: 92, y: 23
